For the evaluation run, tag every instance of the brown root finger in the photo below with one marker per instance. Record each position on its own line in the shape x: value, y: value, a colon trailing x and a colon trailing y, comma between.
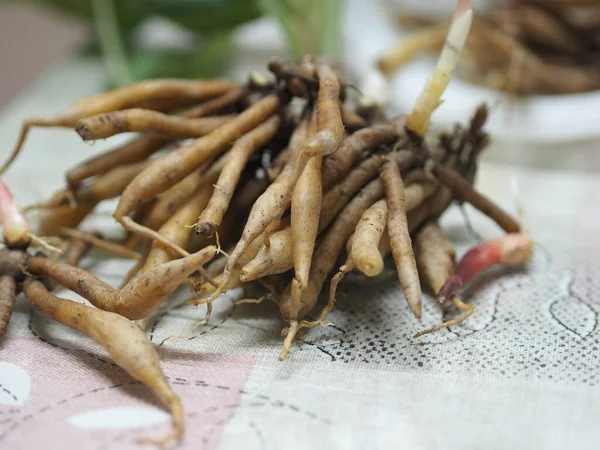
x: 351, y: 120
x: 178, y: 229
x: 368, y: 233
x: 155, y: 94
x: 289, y: 338
x: 436, y: 255
x: 146, y: 121
x: 176, y: 165
x: 146, y: 232
x: 142, y: 295
x: 77, y: 250
x: 108, y: 185
x: 141, y: 148
x: 169, y: 202
x: 133, y: 151
x: 306, y: 200
x: 272, y: 260
x: 269, y: 207
x: 400, y: 241
x: 465, y: 192
x: 139, y: 264
x: 54, y: 219
x: 137, y: 357
x: 328, y: 250
x: 99, y: 243
x: 337, y: 165
x: 8, y: 293
x: 242, y: 150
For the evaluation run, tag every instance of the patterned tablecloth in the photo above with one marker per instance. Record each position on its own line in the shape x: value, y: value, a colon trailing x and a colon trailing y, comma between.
x: 521, y: 373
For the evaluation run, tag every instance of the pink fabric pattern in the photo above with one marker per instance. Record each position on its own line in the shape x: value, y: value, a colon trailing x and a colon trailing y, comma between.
x: 65, y: 384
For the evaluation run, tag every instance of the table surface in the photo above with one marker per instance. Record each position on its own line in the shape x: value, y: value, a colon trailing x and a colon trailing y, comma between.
x: 522, y: 372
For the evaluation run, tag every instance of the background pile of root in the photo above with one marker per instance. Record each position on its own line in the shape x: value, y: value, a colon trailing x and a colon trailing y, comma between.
x: 523, y: 47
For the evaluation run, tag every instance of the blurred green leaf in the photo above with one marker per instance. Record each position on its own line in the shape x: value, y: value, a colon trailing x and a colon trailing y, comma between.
x: 331, y: 29
x: 287, y: 17
x: 310, y: 26
x: 205, y: 16
x: 111, y: 41
x: 208, y: 60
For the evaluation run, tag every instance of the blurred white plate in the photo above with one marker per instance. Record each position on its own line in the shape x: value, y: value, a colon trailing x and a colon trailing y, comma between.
x: 369, y: 31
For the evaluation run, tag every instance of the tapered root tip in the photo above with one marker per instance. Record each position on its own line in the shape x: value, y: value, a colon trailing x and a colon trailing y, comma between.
x: 172, y: 437
x: 420, y: 333
x: 371, y: 268
x: 427, y: 331
x: 287, y: 343
x: 83, y: 130
x: 415, y: 306
x: 178, y: 426
x: 245, y: 275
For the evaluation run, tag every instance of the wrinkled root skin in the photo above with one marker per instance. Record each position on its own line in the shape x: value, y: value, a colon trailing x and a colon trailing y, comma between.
x: 8, y: 291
